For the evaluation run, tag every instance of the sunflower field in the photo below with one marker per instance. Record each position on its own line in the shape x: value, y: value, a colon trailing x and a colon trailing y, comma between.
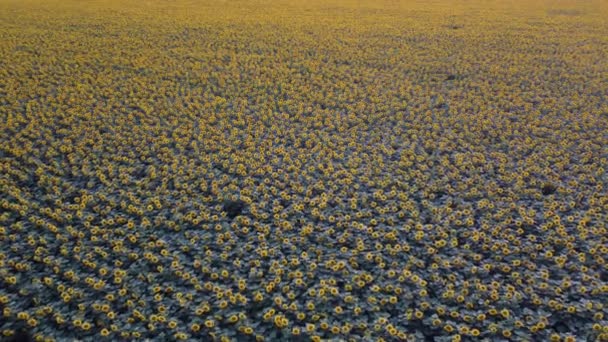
x: 340, y: 170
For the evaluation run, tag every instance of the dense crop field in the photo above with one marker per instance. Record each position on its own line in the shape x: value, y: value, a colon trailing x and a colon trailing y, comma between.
x: 294, y: 171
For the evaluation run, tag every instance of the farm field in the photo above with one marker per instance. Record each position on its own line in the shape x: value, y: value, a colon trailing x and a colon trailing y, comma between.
x: 303, y: 170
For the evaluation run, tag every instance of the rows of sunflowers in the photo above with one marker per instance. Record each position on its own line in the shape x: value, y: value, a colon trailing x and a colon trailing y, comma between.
x: 304, y: 171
